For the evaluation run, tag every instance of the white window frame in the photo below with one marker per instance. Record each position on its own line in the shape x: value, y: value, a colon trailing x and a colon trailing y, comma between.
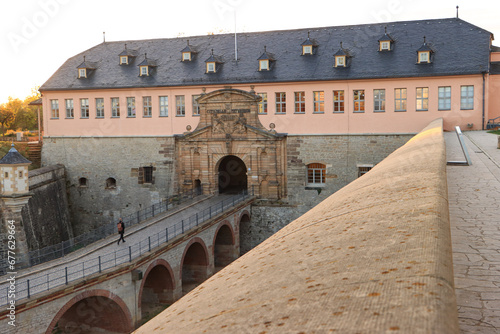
x: 444, y: 98
x: 163, y: 101
x: 54, y: 109
x: 211, y: 67
x: 400, y: 101
x: 280, y: 102
x: 363, y: 169
x: 143, y: 71
x: 300, y: 102
x: 339, y: 104
x: 147, y: 107
x: 316, y: 175
x: 82, y: 72
x: 262, y: 104
x: 319, y: 102
x: 264, y: 65
x: 360, y: 99
x: 84, y: 108
x: 385, y: 45
x: 99, y: 107
x: 307, y: 50
x: 196, y: 106
x: 467, y: 97
x: 70, y: 108
x: 379, y: 100
x: 422, y: 101
x: 424, y: 57
x: 180, y: 106
x: 186, y: 56
x: 123, y: 60
x: 131, y: 107
x: 339, y: 61
x: 115, y: 107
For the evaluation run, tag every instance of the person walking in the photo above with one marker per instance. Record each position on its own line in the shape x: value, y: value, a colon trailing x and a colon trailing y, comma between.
x: 121, y: 230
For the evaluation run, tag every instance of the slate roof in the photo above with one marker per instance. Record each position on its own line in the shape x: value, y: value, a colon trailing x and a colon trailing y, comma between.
x: 495, y: 67
x: 148, y: 62
x: 128, y: 52
x: 13, y: 157
x: 460, y: 48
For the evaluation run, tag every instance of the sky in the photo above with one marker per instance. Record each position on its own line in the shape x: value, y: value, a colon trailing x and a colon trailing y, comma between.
x: 38, y: 36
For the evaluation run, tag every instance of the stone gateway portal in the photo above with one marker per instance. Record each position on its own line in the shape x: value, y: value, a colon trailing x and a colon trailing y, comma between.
x: 230, y: 150
x: 232, y: 175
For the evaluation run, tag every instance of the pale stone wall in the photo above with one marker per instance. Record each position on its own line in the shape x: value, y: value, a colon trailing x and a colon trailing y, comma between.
x: 46, y: 218
x: 98, y: 159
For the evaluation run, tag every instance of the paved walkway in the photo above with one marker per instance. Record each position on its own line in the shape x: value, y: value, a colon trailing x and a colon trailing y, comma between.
x: 474, y: 201
x: 107, y: 248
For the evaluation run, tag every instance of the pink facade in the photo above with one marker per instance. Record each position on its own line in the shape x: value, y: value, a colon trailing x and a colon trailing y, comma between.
x: 310, y: 122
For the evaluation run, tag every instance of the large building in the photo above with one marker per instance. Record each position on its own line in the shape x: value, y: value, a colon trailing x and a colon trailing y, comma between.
x: 292, y: 115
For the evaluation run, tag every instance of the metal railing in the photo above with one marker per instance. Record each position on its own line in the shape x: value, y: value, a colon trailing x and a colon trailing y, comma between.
x: 61, y: 249
x: 25, y: 288
x: 493, y: 123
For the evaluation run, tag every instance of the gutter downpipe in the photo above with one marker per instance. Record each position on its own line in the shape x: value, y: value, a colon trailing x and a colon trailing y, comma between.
x: 482, y: 126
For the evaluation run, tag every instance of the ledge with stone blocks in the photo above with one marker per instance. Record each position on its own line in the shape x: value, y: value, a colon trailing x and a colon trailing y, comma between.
x: 375, y: 257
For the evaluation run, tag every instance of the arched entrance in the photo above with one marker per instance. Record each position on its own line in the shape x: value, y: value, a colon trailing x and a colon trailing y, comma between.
x: 94, y: 311
x: 232, y: 175
x: 223, y: 248
x: 194, y: 267
x: 157, y: 290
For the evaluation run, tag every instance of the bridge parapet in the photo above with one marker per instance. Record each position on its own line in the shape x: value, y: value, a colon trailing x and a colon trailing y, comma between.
x: 375, y: 257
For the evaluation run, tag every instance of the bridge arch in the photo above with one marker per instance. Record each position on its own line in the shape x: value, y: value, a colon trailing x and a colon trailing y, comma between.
x: 244, y: 228
x: 93, y: 309
x: 194, y: 264
x: 224, y: 242
x: 157, y: 287
x: 232, y: 175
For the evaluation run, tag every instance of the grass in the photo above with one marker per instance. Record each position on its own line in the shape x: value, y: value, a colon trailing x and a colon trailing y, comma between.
x: 495, y: 132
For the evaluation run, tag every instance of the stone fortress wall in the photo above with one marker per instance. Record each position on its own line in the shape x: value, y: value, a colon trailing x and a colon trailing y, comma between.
x: 98, y: 159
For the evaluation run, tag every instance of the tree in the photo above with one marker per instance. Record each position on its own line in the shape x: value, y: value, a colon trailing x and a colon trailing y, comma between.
x: 6, y: 117
x: 17, y: 114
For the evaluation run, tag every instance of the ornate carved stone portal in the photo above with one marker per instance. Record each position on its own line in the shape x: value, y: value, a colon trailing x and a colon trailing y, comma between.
x: 230, y: 150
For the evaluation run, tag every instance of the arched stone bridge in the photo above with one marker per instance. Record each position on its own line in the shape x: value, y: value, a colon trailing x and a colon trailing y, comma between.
x: 120, y: 299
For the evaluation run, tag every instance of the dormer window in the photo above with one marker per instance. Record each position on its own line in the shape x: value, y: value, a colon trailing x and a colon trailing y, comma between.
x: 309, y: 46
x: 188, y: 52
x: 143, y: 71
x: 423, y: 57
x: 127, y: 56
x: 341, y: 57
x: 424, y: 54
x: 146, y: 67
x: 385, y: 42
x: 211, y: 67
x: 266, y: 61
x: 264, y: 65
x: 82, y: 73
x: 339, y: 61
x: 213, y: 63
x: 85, y: 69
